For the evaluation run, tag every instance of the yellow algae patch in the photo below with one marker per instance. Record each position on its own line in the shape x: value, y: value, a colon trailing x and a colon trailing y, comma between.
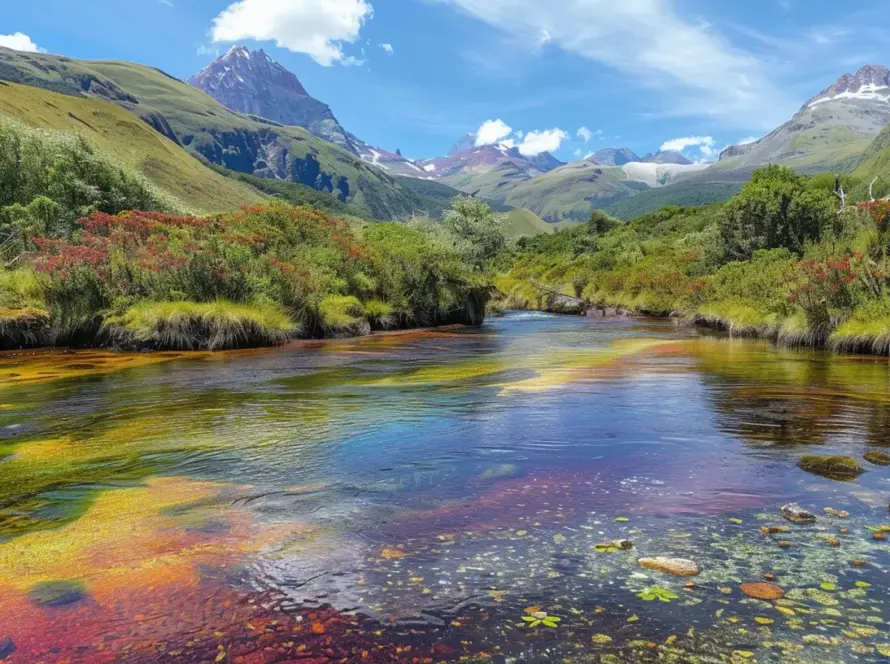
x: 47, y: 366
x: 569, y: 366
x: 139, y: 536
x: 451, y: 373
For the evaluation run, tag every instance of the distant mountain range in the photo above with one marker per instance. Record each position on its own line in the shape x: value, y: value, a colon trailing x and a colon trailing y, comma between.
x: 249, y: 114
x: 831, y: 131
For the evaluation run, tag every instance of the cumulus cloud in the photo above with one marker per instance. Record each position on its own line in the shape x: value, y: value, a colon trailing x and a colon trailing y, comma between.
x: 695, y: 67
x: 585, y: 134
x: 493, y: 131
x: 387, y: 47
x: 19, y: 41
x: 318, y: 29
x: 680, y: 144
x: 536, y: 142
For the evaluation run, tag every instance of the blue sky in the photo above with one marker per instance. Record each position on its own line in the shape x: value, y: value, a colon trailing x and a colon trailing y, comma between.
x: 635, y: 73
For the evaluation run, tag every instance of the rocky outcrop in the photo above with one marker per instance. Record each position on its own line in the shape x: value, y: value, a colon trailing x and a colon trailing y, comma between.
x: 566, y: 304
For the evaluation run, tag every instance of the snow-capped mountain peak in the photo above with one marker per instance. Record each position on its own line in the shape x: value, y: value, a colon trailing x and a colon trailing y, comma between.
x: 871, y: 83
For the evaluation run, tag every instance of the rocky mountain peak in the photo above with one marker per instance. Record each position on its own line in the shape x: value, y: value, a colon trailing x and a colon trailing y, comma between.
x: 667, y: 157
x: 613, y: 157
x: 870, y: 83
x: 252, y: 82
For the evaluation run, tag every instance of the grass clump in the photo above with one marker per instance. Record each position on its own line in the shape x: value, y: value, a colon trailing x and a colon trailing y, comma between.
x: 340, y: 311
x: 216, y: 325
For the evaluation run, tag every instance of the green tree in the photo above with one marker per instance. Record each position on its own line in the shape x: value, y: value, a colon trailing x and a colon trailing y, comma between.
x: 475, y: 230
x: 774, y: 210
x: 600, y: 223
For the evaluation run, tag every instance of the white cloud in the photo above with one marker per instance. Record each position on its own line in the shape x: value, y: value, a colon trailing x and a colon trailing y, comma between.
x: 19, y: 41
x: 585, y: 134
x: 749, y: 139
x: 680, y: 144
x: 318, y: 29
x: 387, y: 47
x: 536, y: 142
x: 493, y: 131
x: 697, y: 70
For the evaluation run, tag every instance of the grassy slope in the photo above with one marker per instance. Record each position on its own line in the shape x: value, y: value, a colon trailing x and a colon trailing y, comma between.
x: 204, y: 127
x: 494, y: 184
x: 682, y: 194
x: 525, y: 223
x: 116, y: 132
x: 571, y: 192
x: 876, y: 159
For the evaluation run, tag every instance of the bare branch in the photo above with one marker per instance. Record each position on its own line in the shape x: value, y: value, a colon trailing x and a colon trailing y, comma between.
x: 871, y: 196
x: 840, y: 194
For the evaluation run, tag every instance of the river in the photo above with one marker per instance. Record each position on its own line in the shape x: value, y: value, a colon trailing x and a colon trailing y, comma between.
x: 443, y: 496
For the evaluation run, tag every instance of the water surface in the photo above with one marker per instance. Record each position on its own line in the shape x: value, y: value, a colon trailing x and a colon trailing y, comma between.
x: 422, y: 497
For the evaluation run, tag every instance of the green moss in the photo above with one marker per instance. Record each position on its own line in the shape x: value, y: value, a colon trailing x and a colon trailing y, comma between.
x: 878, y: 457
x: 833, y: 467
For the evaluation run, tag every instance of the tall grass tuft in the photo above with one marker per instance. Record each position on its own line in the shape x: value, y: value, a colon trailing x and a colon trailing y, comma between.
x: 867, y: 331
x: 216, y: 325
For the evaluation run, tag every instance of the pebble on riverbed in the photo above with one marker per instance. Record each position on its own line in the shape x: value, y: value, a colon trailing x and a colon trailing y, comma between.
x: 675, y: 566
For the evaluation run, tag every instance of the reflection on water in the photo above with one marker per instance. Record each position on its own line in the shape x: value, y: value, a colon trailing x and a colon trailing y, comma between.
x: 415, y: 496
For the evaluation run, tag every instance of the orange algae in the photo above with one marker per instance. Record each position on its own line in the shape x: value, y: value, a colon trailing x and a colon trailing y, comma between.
x: 144, y: 536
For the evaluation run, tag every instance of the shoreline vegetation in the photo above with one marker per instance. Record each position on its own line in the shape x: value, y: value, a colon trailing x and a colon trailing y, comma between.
x: 800, y: 261
x: 94, y: 255
x: 91, y: 255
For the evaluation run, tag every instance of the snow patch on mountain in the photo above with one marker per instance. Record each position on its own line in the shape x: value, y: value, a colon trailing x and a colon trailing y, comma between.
x: 659, y: 175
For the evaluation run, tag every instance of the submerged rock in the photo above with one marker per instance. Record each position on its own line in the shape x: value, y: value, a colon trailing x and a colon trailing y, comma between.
x: 615, y: 545
x: 796, y: 514
x: 842, y: 468
x: 675, y: 566
x: 57, y: 593
x: 765, y: 591
x: 7, y: 647
x: 878, y: 458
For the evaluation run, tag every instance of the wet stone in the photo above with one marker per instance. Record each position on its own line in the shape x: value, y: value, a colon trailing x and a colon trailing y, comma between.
x: 796, y: 514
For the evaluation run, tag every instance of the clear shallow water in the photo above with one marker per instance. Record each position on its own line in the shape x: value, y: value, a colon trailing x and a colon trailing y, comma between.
x: 412, y: 497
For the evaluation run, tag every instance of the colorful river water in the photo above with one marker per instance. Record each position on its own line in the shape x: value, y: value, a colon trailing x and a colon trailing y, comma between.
x: 443, y: 496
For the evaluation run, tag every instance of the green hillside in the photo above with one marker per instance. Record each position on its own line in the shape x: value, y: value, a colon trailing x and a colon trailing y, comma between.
x: 682, y: 194
x: 494, y: 184
x: 525, y: 223
x: 875, y: 163
x: 571, y: 192
x: 197, y: 122
x: 116, y: 133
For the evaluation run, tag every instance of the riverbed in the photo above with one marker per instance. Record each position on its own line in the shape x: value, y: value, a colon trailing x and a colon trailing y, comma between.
x: 443, y: 496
